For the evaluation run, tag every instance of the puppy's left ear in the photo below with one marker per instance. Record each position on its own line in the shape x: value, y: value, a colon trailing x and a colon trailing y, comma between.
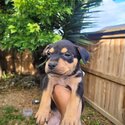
x: 45, y: 51
x: 84, y: 54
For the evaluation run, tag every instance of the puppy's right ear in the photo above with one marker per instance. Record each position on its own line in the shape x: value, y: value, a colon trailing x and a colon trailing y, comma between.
x: 84, y: 54
x: 45, y: 51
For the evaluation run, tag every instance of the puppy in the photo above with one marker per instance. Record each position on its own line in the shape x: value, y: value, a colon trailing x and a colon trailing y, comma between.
x: 63, y: 68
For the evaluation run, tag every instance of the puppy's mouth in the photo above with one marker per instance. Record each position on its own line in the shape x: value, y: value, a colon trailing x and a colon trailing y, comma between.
x: 54, y: 72
x: 58, y: 72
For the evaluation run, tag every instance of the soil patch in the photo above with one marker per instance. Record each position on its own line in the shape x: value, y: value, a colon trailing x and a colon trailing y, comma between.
x: 19, y: 91
x: 22, y: 98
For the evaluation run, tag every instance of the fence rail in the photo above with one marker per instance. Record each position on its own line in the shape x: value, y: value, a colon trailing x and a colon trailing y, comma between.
x: 14, y: 62
x: 105, y: 79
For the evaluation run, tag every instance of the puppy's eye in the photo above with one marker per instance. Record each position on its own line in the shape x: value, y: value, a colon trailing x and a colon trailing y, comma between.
x: 67, y: 54
x: 48, y: 53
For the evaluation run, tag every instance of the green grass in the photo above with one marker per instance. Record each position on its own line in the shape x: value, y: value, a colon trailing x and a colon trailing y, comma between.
x: 11, y: 116
x: 92, y: 117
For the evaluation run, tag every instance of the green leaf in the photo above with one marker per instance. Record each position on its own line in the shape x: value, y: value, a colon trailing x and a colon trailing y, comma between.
x: 12, y: 29
x: 27, y: 24
x: 34, y: 27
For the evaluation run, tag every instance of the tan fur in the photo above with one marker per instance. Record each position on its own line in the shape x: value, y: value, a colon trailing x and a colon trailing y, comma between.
x: 44, y: 108
x: 73, y: 111
x: 51, y: 50
x: 45, y: 51
x: 67, y: 68
x: 61, y: 72
x: 64, y: 50
x: 46, y: 66
x: 63, y: 66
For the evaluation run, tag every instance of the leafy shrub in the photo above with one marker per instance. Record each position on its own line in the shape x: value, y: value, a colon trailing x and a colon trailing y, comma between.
x: 28, y: 24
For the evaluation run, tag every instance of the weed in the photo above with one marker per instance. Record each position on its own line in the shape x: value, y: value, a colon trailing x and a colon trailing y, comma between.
x: 11, y: 116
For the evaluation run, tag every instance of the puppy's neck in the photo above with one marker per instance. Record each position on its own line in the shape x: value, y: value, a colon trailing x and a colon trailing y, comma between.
x: 76, y: 73
x: 66, y: 80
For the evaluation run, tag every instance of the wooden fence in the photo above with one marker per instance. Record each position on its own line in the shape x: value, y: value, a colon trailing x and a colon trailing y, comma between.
x: 104, y: 84
x: 105, y: 77
x: 13, y: 62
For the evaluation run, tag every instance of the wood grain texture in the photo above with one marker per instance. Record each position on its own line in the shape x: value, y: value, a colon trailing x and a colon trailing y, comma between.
x: 104, y: 84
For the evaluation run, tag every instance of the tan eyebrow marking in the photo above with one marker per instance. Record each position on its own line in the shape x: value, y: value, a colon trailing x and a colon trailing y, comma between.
x: 63, y: 50
x: 51, y: 50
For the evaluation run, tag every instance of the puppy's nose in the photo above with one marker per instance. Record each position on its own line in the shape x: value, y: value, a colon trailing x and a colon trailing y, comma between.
x: 52, y: 65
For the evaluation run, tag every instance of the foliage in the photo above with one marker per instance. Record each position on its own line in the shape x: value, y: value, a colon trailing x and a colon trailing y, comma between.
x: 11, y: 116
x: 28, y: 24
x: 79, y: 20
x: 6, y: 76
x: 92, y: 117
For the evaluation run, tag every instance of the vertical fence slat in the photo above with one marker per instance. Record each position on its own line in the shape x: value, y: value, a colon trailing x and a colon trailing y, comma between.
x: 106, y: 78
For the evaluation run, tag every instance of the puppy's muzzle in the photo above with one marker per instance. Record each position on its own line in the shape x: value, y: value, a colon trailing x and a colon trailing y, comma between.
x: 52, y: 65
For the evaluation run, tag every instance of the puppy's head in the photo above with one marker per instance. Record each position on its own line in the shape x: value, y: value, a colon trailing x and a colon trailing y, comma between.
x: 64, y: 57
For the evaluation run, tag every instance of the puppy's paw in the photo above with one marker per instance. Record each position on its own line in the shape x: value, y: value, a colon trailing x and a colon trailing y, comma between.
x: 42, y: 117
x: 70, y: 121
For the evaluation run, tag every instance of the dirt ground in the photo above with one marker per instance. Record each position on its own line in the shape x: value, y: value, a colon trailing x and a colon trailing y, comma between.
x: 22, y: 98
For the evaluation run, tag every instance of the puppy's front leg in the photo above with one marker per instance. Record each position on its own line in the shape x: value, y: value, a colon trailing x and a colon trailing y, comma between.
x: 74, y: 107
x: 44, y: 108
x: 73, y: 111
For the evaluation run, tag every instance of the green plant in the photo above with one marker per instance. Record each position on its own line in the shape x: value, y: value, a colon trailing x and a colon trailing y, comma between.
x: 80, y: 19
x: 28, y: 24
x: 6, y: 76
x: 9, y: 115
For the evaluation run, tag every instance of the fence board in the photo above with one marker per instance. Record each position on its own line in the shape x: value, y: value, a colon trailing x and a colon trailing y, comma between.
x: 105, y: 79
x: 18, y: 62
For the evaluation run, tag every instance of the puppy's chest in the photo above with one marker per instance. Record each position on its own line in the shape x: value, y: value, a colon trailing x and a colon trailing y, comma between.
x: 63, y: 81
x: 69, y: 81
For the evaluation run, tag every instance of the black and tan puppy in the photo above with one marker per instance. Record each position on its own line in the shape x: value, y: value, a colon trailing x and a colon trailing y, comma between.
x: 63, y: 67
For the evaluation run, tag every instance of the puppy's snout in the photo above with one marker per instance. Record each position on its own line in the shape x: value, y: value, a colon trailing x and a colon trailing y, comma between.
x: 52, y: 65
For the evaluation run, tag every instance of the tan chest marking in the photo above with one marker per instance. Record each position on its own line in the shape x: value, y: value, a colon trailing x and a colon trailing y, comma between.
x: 70, y: 81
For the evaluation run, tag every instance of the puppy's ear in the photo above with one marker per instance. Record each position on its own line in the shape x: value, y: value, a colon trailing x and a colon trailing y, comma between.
x: 45, y: 51
x: 84, y: 54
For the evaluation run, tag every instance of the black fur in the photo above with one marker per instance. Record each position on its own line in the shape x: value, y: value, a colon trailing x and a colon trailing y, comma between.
x: 84, y: 54
x: 80, y: 89
x: 39, y: 58
x: 78, y: 74
x: 43, y: 82
x: 74, y: 52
